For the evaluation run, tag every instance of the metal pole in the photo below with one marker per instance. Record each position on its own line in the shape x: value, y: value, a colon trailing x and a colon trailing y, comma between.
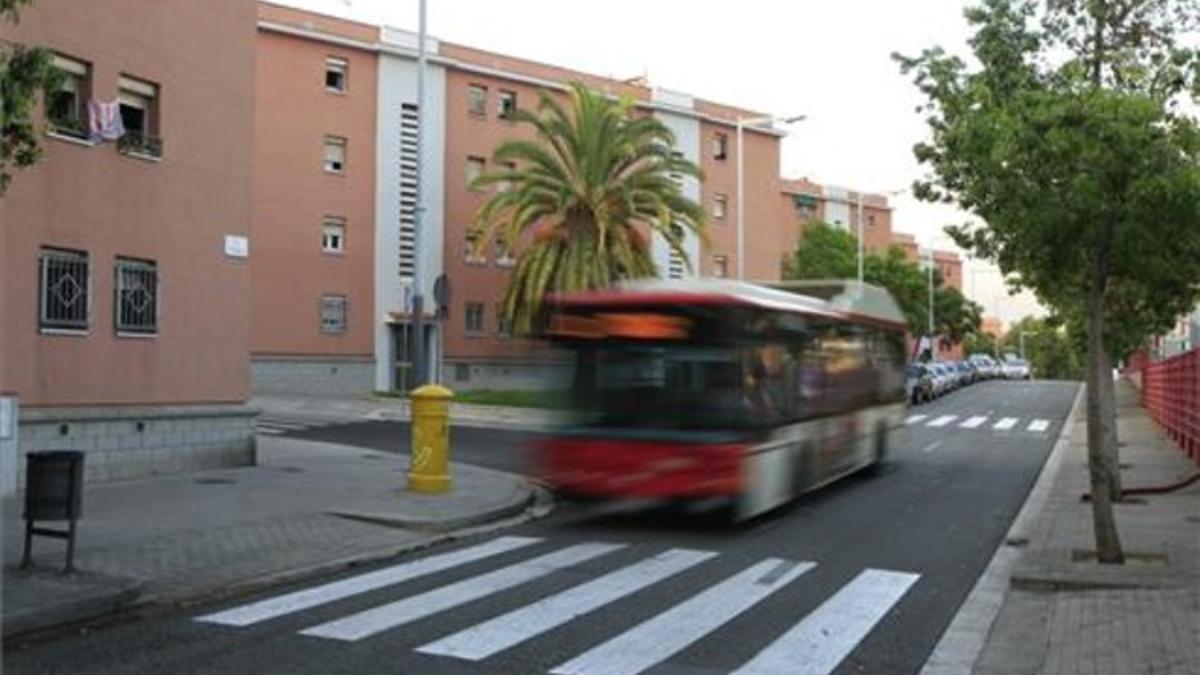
x: 741, y: 207
x: 931, y: 347
x: 418, y: 298
x: 1022, y: 344
x: 860, y: 238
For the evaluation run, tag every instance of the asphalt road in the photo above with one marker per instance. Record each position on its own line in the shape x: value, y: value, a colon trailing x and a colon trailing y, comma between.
x: 861, y: 577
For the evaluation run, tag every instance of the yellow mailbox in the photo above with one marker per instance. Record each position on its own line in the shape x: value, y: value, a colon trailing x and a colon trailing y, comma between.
x: 429, y: 466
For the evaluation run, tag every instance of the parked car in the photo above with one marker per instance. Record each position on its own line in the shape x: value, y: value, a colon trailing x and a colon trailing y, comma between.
x: 943, y: 381
x: 1016, y: 369
x: 985, y: 365
x: 918, y: 383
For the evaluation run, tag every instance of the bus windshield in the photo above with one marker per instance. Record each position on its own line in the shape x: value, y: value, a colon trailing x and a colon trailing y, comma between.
x: 660, y: 386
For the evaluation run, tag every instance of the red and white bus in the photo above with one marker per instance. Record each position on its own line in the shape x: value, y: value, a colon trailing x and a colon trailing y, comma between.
x: 721, y: 394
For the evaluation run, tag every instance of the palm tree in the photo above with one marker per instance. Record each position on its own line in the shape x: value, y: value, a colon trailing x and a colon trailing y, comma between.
x: 581, y: 197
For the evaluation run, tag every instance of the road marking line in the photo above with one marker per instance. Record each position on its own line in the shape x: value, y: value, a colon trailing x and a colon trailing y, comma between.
x: 670, y: 632
x: 269, y: 430
x: 824, y: 638
x: 932, y: 446
x: 913, y: 419
x: 291, y: 426
x: 1039, y: 425
x: 496, y: 635
x: 362, y: 583
x: 974, y: 422
x: 393, y: 614
x: 1006, y: 424
x: 942, y: 421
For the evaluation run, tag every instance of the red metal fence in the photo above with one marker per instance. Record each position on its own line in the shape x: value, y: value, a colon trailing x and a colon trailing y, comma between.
x: 1171, y: 394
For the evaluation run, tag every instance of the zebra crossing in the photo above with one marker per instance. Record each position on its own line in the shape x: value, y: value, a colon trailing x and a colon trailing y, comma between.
x: 274, y: 425
x: 814, y: 644
x: 980, y: 422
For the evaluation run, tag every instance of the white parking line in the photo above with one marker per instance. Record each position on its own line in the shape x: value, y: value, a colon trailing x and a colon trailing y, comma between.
x: 913, y: 419
x: 932, y: 446
x: 973, y: 422
x: 942, y: 421
x: 1006, y: 424
x: 1039, y: 425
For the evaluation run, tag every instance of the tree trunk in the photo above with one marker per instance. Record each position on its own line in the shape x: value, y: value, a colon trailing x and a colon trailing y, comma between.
x: 1101, y: 432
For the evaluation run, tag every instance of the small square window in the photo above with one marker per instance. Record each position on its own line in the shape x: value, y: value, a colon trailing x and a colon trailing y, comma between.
x: 333, y: 314
x: 475, y: 167
x: 137, y: 296
x: 720, y: 146
x: 64, y: 289
x: 503, y: 252
x: 477, y: 100
x: 336, y: 72
x: 870, y: 220
x: 66, y: 106
x: 720, y: 266
x: 720, y: 207
x: 507, y: 104
x: 335, y: 154
x: 333, y: 235
x: 473, y: 317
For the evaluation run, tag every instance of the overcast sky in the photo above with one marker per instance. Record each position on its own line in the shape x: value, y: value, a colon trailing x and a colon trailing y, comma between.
x: 828, y: 59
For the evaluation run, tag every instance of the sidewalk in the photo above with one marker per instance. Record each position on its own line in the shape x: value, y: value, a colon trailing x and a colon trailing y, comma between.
x: 1062, y: 616
x: 306, y: 509
x: 383, y: 408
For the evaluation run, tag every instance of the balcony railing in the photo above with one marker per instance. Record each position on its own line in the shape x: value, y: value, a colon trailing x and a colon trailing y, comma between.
x: 140, y: 144
x: 68, y: 126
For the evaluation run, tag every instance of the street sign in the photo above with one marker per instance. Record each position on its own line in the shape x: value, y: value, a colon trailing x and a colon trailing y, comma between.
x: 237, y: 246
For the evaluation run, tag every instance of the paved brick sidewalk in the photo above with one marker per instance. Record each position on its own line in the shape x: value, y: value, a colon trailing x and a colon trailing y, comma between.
x: 190, y: 536
x: 1063, y: 617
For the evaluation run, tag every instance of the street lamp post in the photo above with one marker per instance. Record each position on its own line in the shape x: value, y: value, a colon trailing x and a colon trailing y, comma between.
x: 742, y: 123
x: 417, y: 322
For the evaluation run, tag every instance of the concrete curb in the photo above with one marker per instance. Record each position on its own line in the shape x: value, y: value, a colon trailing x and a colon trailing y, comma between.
x: 122, y: 595
x: 500, y: 512
x: 963, y: 640
x: 138, y: 605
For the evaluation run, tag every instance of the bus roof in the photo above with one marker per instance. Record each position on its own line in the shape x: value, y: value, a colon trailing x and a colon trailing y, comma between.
x: 832, y: 299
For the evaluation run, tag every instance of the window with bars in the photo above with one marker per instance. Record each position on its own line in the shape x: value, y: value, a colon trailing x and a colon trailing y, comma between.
x: 64, y: 289
x: 675, y: 266
x: 333, y: 234
x: 470, y: 241
x: 504, y: 257
x: 333, y: 314
x: 473, y: 317
x: 503, y: 324
x: 720, y: 146
x: 136, y: 296
x: 139, y: 116
x: 409, y: 175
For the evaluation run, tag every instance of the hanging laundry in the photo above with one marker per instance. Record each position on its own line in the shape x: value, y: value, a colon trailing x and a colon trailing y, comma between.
x: 104, y: 121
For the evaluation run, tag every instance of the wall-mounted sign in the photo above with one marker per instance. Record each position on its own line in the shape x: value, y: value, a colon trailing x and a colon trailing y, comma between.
x: 237, y: 246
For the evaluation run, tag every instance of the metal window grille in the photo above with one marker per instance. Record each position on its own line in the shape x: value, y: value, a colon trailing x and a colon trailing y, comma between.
x: 333, y: 235
x: 137, y: 296
x: 409, y: 175
x: 675, y: 265
x: 507, y: 104
x: 477, y: 100
x: 65, y: 289
x: 333, y: 313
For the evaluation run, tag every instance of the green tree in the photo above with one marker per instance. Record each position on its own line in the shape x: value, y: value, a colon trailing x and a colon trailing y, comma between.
x: 582, y: 197
x: 1064, y: 139
x: 24, y: 72
x: 1049, y: 348
x: 828, y: 252
x: 980, y: 342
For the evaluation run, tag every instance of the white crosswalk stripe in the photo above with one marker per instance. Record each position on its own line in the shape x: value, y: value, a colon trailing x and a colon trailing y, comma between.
x: 363, y: 583
x: 1039, y: 425
x: 973, y: 422
x: 1006, y: 424
x: 393, y: 614
x: 815, y: 644
x: 502, y: 632
x: 662, y: 636
x: 266, y: 424
x: 942, y: 421
x: 913, y: 419
x: 824, y: 638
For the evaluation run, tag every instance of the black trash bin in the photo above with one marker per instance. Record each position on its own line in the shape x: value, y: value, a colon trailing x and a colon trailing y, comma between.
x: 53, y: 492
